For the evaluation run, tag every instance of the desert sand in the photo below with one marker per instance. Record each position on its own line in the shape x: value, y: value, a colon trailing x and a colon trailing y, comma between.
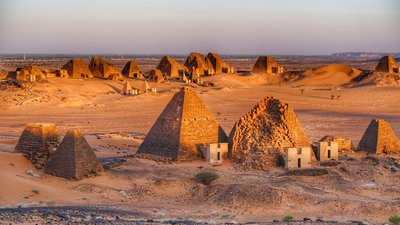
x: 360, y: 188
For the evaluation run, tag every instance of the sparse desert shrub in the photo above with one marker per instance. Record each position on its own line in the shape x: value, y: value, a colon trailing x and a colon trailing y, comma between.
x: 395, y: 219
x: 36, y: 192
x: 287, y: 218
x: 206, y: 178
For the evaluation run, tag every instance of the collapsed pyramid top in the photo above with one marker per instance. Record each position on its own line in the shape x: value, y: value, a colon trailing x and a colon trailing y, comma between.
x: 197, y: 61
x: 31, y: 70
x: 265, y: 64
x: 170, y: 66
x: 77, y: 68
x: 74, y: 158
x: 386, y: 64
x: 103, y: 69
x: 215, y: 61
x: 379, y: 138
x: 272, y: 124
x: 131, y: 70
x: 184, y: 125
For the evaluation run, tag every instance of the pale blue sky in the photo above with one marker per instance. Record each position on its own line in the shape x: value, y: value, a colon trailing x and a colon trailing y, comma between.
x: 181, y: 26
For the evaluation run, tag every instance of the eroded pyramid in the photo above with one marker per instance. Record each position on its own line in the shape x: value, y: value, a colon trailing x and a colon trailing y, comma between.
x: 379, y: 138
x: 170, y: 67
x: 387, y: 64
x: 74, y: 158
x: 37, y: 142
x: 131, y: 70
x: 198, y: 62
x: 215, y: 61
x: 103, y: 69
x: 262, y: 134
x: 77, y: 68
x: 184, y: 125
x: 266, y: 64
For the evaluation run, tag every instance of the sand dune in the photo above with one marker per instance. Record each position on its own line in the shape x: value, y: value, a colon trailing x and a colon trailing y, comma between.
x: 331, y: 75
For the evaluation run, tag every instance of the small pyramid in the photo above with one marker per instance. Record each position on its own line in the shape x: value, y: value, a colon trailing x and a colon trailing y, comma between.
x: 156, y: 76
x: 127, y: 89
x: 271, y: 125
x: 266, y: 64
x: 77, y: 68
x: 184, y: 125
x: 131, y: 70
x: 379, y: 138
x: 145, y: 87
x: 387, y: 64
x: 74, y: 158
x: 214, y: 61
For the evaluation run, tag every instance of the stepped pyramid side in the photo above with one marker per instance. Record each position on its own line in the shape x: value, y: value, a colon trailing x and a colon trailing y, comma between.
x: 270, y: 125
x: 74, y: 158
x: 184, y: 124
x: 379, y: 138
x: 37, y: 142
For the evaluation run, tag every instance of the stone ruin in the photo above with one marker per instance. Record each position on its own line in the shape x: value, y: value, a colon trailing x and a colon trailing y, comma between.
x: 259, y: 139
x: 185, y: 125
x: 131, y: 70
x: 298, y: 158
x: 156, y: 75
x: 127, y: 89
x: 196, y: 61
x: 344, y: 145
x: 103, y: 69
x: 76, y: 69
x: 29, y: 73
x: 170, y: 67
x: 218, y: 65
x: 387, y: 64
x: 266, y: 64
x: 74, y: 158
x: 37, y: 143
x: 379, y: 138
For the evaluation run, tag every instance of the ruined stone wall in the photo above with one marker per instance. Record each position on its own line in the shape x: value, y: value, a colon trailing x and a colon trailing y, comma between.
x: 77, y: 68
x: 292, y: 155
x: 270, y: 125
x: 322, y: 149
x: 37, y: 142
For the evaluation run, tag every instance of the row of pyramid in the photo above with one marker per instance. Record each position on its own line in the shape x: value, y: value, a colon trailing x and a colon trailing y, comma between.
x: 186, y: 124
x: 73, y: 158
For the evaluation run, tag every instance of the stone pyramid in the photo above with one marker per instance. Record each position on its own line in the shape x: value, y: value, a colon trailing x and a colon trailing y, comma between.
x: 264, y: 64
x: 263, y: 133
x: 127, y: 89
x: 131, y: 70
x: 156, y: 76
x: 386, y: 64
x: 215, y: 61
x: 170, y: 67
x: 37, y: 142
x: 27, y: 72
x: 77, y: 68
x: 184, y: 125
x: 103, y: 69
x: 74, y: 158
x: 145, y: 87
x: 379, y: 138
x: 197, y: 61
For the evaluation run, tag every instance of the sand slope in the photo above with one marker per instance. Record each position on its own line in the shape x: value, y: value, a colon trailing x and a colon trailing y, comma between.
x: 331, y: 75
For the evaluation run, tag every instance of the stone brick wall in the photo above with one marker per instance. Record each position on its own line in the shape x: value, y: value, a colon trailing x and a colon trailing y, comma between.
x: 37, y: 142
x: 74, y: 158
x: 270, y: 125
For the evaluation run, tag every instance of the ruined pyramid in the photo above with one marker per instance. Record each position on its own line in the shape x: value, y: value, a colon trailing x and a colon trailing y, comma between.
x: 74, y: 158
x: 184, y: 125
x: 131, y: 70
x: 215, y: 61
x: 156, y: 76
x: 77, y: 68
x: 127, y: 89
x: 103, y: 69
x: 261, y: 135
x: 379, y: 138
x: 30, y: 73
x: 197, y: 61
x: 387, y: 64
x: 170, y: 67
x: 37, y: 142
x: 265, y: 64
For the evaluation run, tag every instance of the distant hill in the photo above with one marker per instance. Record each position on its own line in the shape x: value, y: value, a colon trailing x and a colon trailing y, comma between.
x: 364, y: 54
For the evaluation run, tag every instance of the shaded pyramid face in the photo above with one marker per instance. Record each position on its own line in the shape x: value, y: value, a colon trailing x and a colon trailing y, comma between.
x: 379, y: 138
x: 103, y: 69
x: 270, y: 125
x: 184, y: 125
x: 386, y: 64
x: 170, y: 66
x: 127, y: 88
x: 215, y: 61
x: 197, y: 61
x: 264, y: 64
x: 74, y: 158
x: 131, y: 69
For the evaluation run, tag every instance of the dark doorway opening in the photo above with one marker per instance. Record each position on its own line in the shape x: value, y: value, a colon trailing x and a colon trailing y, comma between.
x: 299, y: 163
